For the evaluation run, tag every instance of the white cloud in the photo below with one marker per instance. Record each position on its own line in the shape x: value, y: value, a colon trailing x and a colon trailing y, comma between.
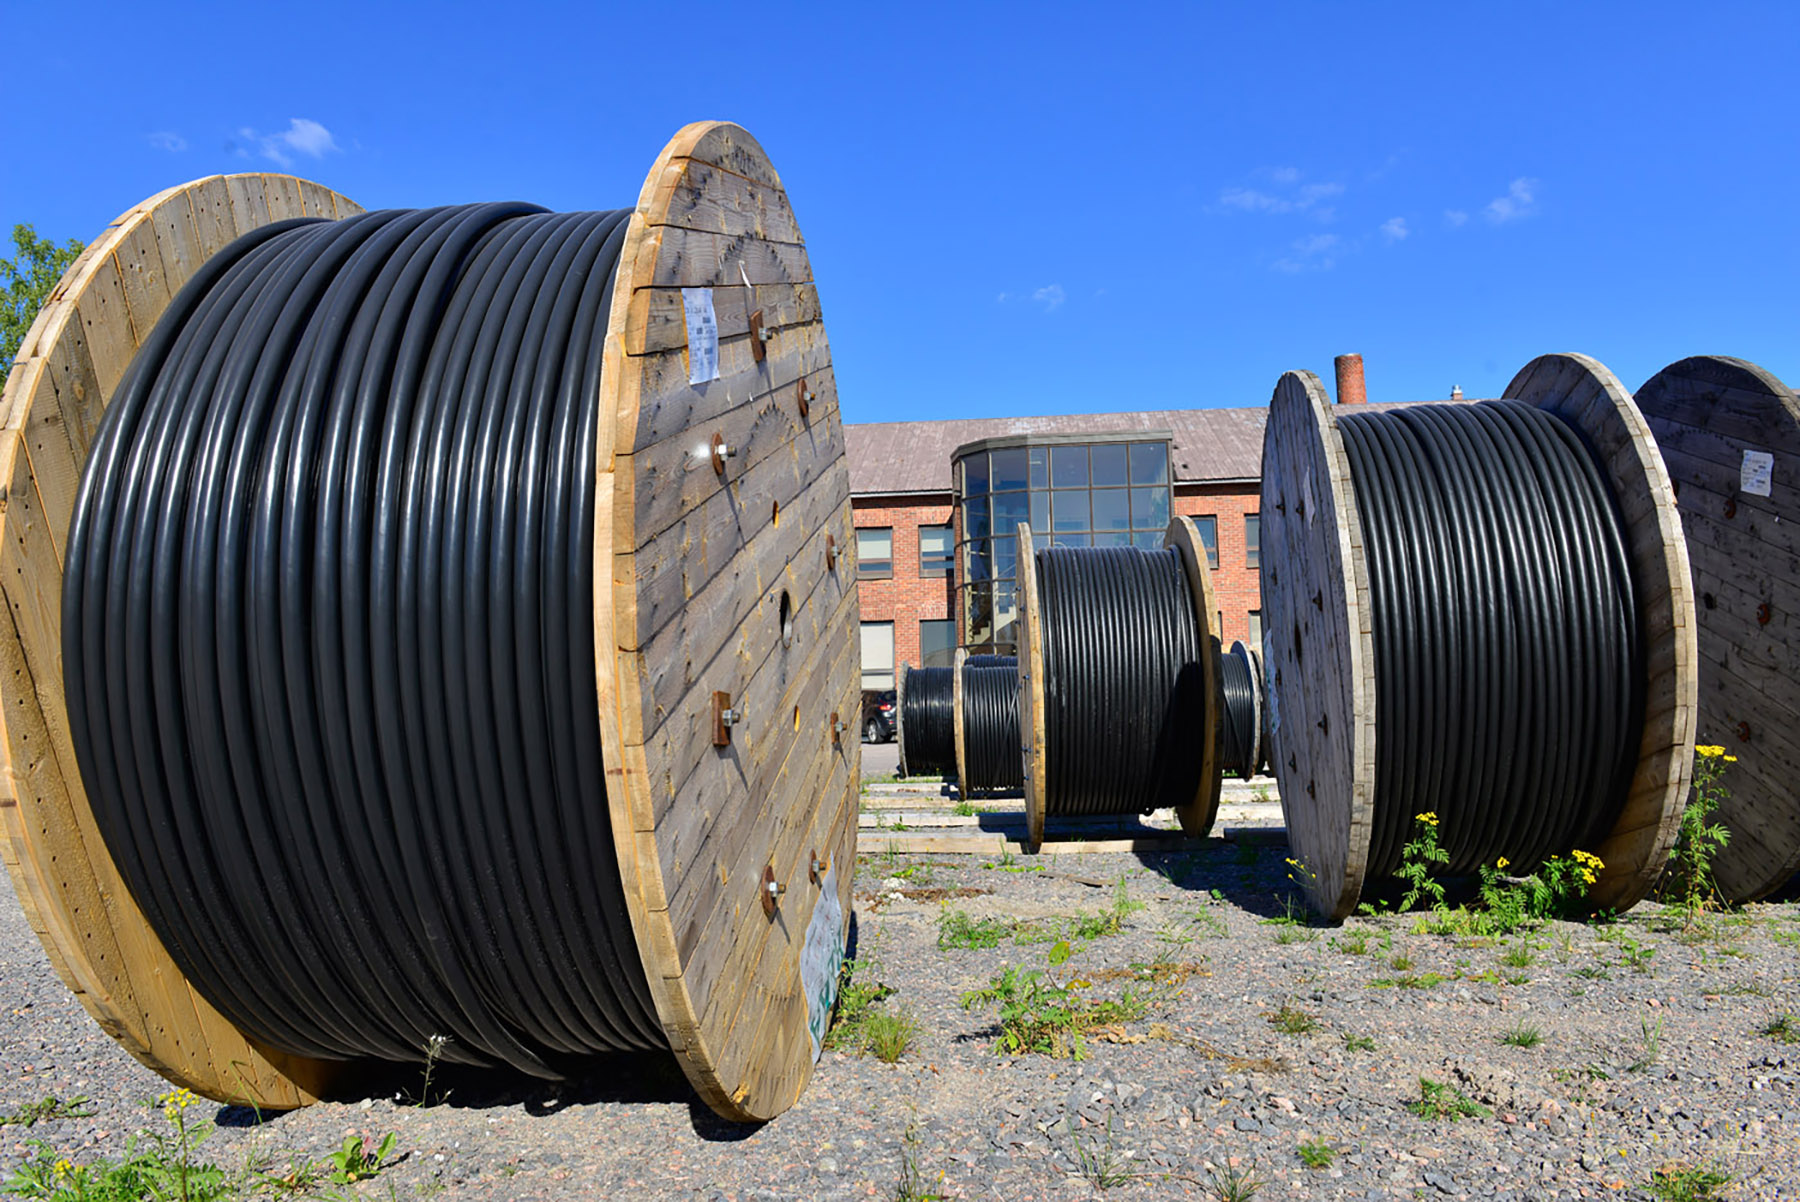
x: 302, y: 136
x: 1394, y: 229
x: 1316, y: 252
x: 1249, y: 200
x: 163, y: 139
x: 1003, y: 298
x: 1520, y: 201
x: 1285, y: 175
x: 1051, y: 296
x: 1455, y: 217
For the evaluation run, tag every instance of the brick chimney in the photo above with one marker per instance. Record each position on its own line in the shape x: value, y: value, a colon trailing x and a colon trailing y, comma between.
x: 1350, y: 390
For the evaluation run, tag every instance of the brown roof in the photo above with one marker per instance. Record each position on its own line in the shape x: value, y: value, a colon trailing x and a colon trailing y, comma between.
x: 901, y: 457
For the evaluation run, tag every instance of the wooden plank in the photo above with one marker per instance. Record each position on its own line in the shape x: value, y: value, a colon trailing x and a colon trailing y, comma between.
x: 1197, y: 816
x: 658, y: 319
x: 1032, y: 713
x: 957, y: 737
x: 106, y: 325
x: 209, y: 202
x: 249, y: 202
x: 282, y: 193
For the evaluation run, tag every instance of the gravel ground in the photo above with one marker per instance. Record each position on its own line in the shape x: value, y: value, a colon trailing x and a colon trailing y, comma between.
x: 1203, y: 1086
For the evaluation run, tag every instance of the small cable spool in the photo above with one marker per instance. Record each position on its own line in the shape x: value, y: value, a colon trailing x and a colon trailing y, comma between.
x: 1109, y: 727
x: 1329, y: 711
x: 1242, y: 722
x: 925, y: 728
x: 989, y: 702
x: 714, y: 844
x: 1729, y: 432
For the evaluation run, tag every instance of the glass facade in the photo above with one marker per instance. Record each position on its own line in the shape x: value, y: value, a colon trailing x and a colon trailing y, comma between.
x: 1112, y: 493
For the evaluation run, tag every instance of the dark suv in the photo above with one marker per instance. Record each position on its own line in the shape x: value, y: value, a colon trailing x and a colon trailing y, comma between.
x: 878, y: 717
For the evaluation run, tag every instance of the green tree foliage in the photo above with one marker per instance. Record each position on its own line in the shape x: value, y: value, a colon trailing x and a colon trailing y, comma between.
x: 25, y: 284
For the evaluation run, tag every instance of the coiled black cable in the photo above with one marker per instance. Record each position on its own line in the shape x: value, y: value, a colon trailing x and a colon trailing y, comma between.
x: 1508, y: 668
x: 328, y: 639
x: 928, y: 721
x: 993, y: 756
x: 1239, y: 751
x: 1123, y: 690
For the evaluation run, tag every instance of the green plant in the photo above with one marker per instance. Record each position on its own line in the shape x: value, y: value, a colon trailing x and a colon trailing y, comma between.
x: 1522, y: 1035
x: 356, y: 1161
x: 1317, y: 1154
x: 1637, y: 955
x: 963, y: 809
x: 48, y: 1110
x: 889, y: 1033
x: 1233, y: 1183
x: 1100, y: 1162
x: 1439, y: 1101
x: 1358, y: 1043
x: 1687, y: 882
x: 157, y: 1165
x: 1651, y: 1046
x: 956, y: 929
x: 1291, y: 1020
x: 1417, y: 859
x: 1429, y: 980
x: 1518, y: 955
x: 1783, y: 1027
x: 1288, y: 935
x: 1400, y: 963
x: 1687, y: 1183
x: 911, y: 1186
x: 1043, y: 1013
x: 858, y: 995
x: 1351, y: 943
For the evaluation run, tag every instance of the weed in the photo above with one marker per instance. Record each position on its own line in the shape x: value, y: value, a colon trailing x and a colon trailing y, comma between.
x: 1287, y: 935
x: 857, y: 998
x: 1358, y: 1043
x: 887, y: 1034
x: 911, y: 1186
x: 1291, y: 1020
x: 47, y: 1111
x: 1637, y: 955
x: 956, y: 929
x: 1400, y: 963
x: 1417, y: 858
x: 1042, y: 1013
x: 1783, y: 1027
x: 963, y: 809
x: 1687, y: 882
x: 1687, y: 1183
x: 1522, y: 1035
x: 1518, y: 955
x: 1594, y: 972
x: 1351, y: 943
x: 1101, y: 1163
x: 1650, y: 1045
x: 1231, y: 1183
x: 1429, y: 980
x: 356, y: 1162
x: 1260, y: 795
x: 1439, y: 1101
x: 1317, y: 1154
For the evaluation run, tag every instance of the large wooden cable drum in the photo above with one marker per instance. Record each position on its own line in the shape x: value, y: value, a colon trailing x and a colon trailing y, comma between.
x: 723, y: 627
x: 1729, y: 432
x: 1324, y: 712
x: 1047, y: 705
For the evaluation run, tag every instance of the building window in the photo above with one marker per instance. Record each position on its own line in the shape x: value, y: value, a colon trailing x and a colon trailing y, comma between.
x: 937, y: 550
x: 1256, y: 630
x: 937, y: 642
x: 1113, y: 492
x: 875, y: 554
x: 1209, y: 534
x: 877, y: 655
x: 1252, y: 539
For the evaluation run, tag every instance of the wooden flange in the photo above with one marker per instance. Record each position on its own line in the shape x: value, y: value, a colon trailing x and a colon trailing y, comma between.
x: 71, y: 361
x: 1321, y: 665
x: 698, y: 589
x: 1031, y: 689
x: 956, y: 721
x: 1321, y: 691
x: 1197, y: 815
x: 1588, y: 396
x: 1729, y: 433
x: 900, y: 716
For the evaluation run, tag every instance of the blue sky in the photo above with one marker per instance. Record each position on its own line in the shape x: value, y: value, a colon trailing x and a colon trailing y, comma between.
x: 1046, y: 208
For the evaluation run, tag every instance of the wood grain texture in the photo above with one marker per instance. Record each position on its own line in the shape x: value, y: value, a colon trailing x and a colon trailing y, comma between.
x: 957, y: 725
x: 1321, y: 692
x: 1744, y: 554
x: 693, y: 579
x: 1587, y: 395
x: 1031, y: 688
x: 71, y: 361
x: 1197, y: 816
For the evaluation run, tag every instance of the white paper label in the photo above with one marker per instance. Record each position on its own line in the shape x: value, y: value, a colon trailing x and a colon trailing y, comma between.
x: 703, y: 335
x: 822, y: 959
x: 1757, y: 474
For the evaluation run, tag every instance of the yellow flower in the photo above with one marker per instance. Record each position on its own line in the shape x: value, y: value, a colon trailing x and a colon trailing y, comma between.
x: 1708, y: 751
x: 1588, y: 858
x: 1730, y: 759
x: 1587, y: 874
x: 1502, y: 862
x: 63, y: 1168
x: 1429, y: 819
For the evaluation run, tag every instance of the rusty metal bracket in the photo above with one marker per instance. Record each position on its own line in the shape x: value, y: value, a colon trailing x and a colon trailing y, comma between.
x: 830, y: 552
x: 771, y: 892
x: 803, y: 398
x: 758, y: 337
x: 1763, y: 614
x: 724, y: 718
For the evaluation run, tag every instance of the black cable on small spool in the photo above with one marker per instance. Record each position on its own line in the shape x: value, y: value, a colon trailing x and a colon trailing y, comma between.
x: 1240, y: 747
x: 328, y: 636
x: 928, y: 722
x: 991, y: 723
x: 1123, y: 690
x: 1509, y: 676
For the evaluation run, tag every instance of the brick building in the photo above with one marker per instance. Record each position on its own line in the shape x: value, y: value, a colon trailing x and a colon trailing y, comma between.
x: 910, y: 498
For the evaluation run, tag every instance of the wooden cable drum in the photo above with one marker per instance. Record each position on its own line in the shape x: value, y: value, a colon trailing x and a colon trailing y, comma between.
x: 1190, y: 689
x: 1729, y: 432
x: 1326, y: 718
x: 722, y: 617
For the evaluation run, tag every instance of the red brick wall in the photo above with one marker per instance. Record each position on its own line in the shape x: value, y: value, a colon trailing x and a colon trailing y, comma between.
x: 1234, y: 581
x: 907, y: 598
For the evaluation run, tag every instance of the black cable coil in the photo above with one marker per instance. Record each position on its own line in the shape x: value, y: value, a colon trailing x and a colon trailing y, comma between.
x: 1239, y: 748
x: 1123, y: 692
x: 1508, y: 665
x: 994, y: 757
x: 928, y: 722
x: 328, y: 639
